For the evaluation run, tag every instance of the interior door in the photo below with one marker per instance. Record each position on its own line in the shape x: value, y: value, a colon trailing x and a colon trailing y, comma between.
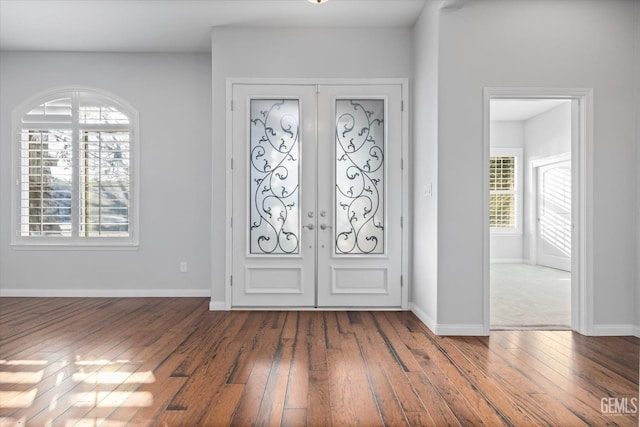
x: 317, y: 196
x: 554, y: 215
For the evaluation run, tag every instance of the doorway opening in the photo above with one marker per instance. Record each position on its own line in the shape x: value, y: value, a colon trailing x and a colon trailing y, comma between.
x: 532, y: 211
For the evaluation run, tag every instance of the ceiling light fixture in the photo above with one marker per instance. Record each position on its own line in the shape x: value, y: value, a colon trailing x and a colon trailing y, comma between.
x: 318, y: 1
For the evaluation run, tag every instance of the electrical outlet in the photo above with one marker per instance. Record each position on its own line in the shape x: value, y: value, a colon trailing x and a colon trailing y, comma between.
x: 183, y: 266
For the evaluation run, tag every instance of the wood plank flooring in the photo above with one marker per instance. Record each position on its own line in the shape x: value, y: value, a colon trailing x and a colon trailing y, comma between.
x: 171, y: 362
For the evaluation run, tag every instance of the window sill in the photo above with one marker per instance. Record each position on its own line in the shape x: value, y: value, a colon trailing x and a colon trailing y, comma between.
x: 57, y: 246
x: 505, y: 233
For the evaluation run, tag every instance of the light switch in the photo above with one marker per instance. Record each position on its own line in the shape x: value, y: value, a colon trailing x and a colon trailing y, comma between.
x: 428, y: 190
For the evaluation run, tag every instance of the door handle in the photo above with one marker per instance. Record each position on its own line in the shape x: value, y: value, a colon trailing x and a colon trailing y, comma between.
x: 324, y: 226
x: 308, y: 226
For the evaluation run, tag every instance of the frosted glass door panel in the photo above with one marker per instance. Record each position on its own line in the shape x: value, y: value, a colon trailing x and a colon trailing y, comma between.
x: 360, y: 212
x: 274, y: 219
x: 360, y: 177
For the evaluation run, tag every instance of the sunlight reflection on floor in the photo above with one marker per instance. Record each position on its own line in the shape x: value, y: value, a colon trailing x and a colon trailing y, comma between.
x: 17, y: 399
x: 91, y: 383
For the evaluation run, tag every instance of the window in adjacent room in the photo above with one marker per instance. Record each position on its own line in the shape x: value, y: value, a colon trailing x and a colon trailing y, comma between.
x: 505, y: 190
x: 74, y: 184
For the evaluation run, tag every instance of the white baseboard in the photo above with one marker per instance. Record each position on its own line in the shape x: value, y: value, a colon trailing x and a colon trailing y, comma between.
x: 423, y: 316
x: 447, y: 330
x: 476, y: 330
x: 217, y: 305
x: 105, y: 293
x: 616, y: 330
x: 508, y: 261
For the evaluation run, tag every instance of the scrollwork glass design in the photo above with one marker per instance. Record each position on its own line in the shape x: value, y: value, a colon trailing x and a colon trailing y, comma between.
x: 360, y: 177
x: 274, y: 220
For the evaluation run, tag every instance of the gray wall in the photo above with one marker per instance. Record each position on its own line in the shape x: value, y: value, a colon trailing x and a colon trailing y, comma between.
x: 424, y: 280
x: 289, y: 54
x: 637, y: 115
x: 172, y: 94
x: 564, y: 43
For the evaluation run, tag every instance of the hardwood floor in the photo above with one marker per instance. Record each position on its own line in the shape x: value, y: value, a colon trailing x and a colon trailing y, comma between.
x: 171, y: 362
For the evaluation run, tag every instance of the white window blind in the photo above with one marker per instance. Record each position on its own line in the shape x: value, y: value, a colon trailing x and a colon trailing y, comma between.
x: 104, y: 177
x: 504, y: 190
x: 46, y: 182
x: 75, y: 171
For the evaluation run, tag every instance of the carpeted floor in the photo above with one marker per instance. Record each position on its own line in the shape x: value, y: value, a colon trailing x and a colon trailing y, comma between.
x: 527, y: 296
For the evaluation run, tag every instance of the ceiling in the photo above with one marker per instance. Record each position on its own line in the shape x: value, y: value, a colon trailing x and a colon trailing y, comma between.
x: 177, y: 25
x: 521, y: 109
x: 185, y: 26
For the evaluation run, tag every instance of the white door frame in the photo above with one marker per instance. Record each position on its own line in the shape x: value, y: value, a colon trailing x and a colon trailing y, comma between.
x: 229, y: 172
x: 582, y: 194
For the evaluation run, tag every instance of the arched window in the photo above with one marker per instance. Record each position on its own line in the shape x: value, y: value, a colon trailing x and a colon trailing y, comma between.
x: 76, y: 163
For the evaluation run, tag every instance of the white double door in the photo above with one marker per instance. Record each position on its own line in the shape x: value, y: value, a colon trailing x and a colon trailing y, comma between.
x: 317, y: 196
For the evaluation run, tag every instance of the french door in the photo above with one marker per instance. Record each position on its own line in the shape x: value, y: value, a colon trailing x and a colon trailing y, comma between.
x: 317, y: 196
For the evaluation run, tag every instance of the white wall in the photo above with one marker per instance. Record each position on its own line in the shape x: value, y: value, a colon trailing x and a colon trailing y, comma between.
x: 564, y: 43
x: 171, y: 93
x: 507, y: 134
x: 424, y: 283
x: 290, y: 54
x: 548, y: 134
x: 545, y: 135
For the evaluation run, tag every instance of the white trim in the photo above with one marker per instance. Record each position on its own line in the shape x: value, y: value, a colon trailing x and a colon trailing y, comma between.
x: 228, y: 262
x: 230, y: 82
x: 508, y: 261
x: 486, y: 227
x: 448, y: 329
x: 311, y: 81
x: 217, y: 305
x: 424, y: 317
x: 310, y: 308
x: 93, y: 246
x: 105, y: 293
x: 406, y: 196
x: 549, y: 160
x: 582, y: 303
x: 460, y: 330
x: 615, y: 330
